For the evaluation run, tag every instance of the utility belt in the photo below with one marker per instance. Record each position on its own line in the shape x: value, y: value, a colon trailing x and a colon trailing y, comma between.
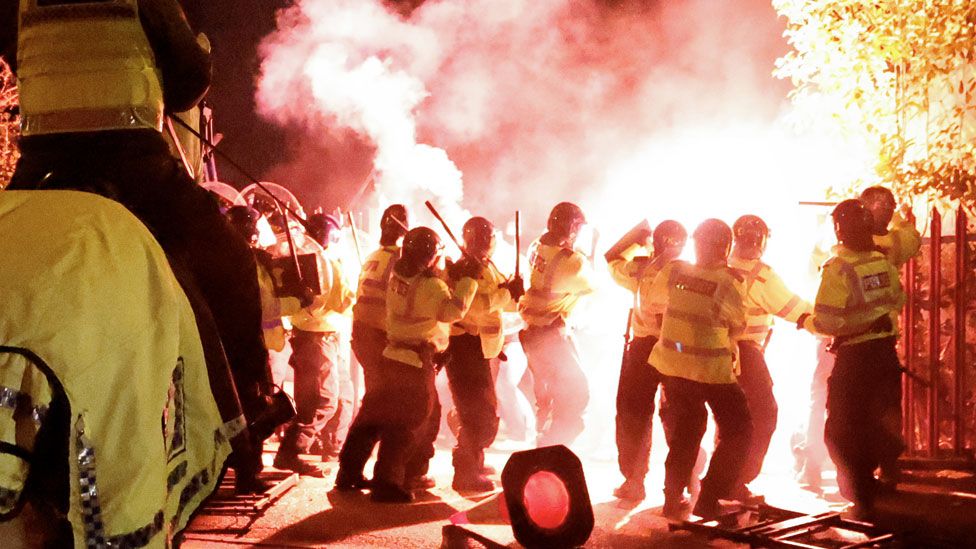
x: 428, y: 354
x: 881, y: 325
x: 531, y: 333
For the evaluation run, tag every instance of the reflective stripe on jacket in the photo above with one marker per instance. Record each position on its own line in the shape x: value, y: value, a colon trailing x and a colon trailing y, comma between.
x: 560, y: 276
x: 901, y: 242
x: 765, y: 295
x: 370, y: 307
x: 419, y: 312
x: 86, y: 67
x: 856, y: 289
x: 637, y: 275
x: 704, y: 315
x: 484, y: 318
x: 87, y: 289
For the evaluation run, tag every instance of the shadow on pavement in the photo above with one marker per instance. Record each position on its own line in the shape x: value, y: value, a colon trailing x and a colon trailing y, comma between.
x: 353, y: 513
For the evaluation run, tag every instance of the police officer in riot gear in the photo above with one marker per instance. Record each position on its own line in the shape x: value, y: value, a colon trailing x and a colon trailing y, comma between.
x: 857, y: 304
x: 315, y: 356
x: 369, y: 312
x: 697, y: 354
x: 475, y: 340
x: 560, y: 276
x: 765, y: 295
x: 401, y: 410
x: 639, y: 381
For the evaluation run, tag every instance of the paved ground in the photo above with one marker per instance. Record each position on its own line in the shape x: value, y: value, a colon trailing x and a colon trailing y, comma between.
x: 312, y: 515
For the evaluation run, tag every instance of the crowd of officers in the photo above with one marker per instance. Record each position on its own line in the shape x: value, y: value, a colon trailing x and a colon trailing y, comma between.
x: 698, y: 329
x: 701, y: 330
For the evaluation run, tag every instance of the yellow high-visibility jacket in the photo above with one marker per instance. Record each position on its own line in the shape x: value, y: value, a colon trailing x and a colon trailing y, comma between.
x: 420, y: 310
x: 116, y: 361
x: 637, y: 275
x: 86, y: 68
x: 856, y: 289
x: 560, y: 276
x: 704, y: 315
x: 370, y: 307
x: 273, y: 308
x: 337, y: 298
x: 766, y: 295
x: 484, y: 317
x: 901, y: 242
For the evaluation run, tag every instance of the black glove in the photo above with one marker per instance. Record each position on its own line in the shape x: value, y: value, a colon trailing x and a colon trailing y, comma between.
x: 305, y: 297
x: 800, y: 321
x: 516, y: 287
x: 465, y: 267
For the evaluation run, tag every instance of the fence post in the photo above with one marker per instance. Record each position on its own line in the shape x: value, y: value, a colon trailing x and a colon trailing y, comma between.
x: 908, y: 385
x: 935, y: 298
x: 959, y: 335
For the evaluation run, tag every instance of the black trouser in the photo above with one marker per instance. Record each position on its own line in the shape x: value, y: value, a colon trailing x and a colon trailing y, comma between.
x: 636, y: 392
x: 757, y: 385
x: 473, y: 389
x: 402, y: 413
x: 313, y: 357
x: 689, y: 418
x: 368, y: 344
x: 135, y: 168
x: 560, y: 386
x: 863, y: 428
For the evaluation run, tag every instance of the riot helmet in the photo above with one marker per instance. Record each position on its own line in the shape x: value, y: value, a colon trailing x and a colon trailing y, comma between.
x: 565, y: 221
x: 393, y: 224
x: 853, y: 225
x: 421, y: 247
x: 669, y: 238
x: 749, y: 234
x: 244, y: 220
x: 880, y: 203
x: 713, y: 241
x: 479, y: 237
x: 323, y: 228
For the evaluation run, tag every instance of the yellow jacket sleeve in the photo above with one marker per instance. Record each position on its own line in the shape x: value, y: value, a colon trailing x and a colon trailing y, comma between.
x: 901, y: 243
x: 828, y: 313
x: 453, y: 306
x: 626, y: 270
x: 576, y: 276
x: 777, y: 299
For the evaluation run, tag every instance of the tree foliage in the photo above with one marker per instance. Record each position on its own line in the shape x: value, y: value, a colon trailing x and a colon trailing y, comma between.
x: 897, y: 78
x: 9, y: 124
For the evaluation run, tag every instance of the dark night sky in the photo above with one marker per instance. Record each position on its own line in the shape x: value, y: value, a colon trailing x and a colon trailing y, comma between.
x: 235, y: 28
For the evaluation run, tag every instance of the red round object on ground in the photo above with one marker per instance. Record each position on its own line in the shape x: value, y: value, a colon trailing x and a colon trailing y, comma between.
x: 546, y: 500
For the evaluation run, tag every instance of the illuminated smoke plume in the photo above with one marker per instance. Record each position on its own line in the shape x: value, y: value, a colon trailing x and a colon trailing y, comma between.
x: 628, y: 107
